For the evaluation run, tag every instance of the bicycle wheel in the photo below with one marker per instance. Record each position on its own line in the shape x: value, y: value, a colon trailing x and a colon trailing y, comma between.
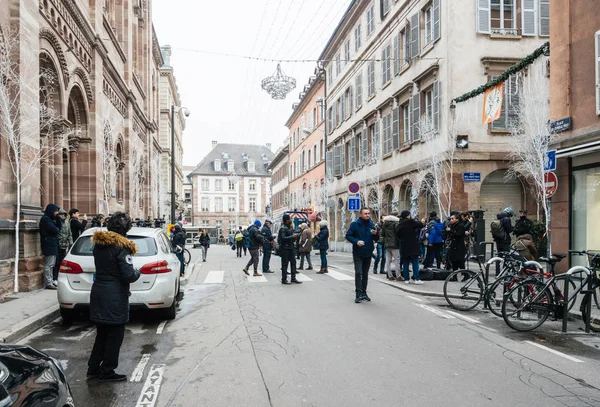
x: 526, y: 306
x: 494, y: 294
x: 463, y: 290
x: 594, y: 317
x: 559, y: 289
x: 187, y: 257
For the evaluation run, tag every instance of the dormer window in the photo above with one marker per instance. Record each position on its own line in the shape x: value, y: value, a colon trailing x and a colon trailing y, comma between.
x: 225, y: 156
x: 217, y: 165
x: 251, y: 166
x: 230, y: 166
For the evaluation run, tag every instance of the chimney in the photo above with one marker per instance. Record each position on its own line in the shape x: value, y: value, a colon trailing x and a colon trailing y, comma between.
x: 214, y: 144
x: 166, y: 54
x: 269, y: 146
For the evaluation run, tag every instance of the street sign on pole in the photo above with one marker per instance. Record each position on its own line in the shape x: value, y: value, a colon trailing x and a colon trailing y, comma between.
x: 550, y: 184
x: 353, y: 188
x: 354, y: 204
x: 550, y: 160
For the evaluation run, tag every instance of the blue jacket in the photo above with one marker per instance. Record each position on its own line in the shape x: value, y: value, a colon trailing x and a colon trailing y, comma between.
x: 435, y: 229
x: 267, y: 244
x: 323, y: 238
x: 49, y: 229
x: 361, y: 230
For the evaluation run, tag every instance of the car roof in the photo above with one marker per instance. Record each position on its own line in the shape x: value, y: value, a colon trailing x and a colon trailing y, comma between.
x: 135, y: 231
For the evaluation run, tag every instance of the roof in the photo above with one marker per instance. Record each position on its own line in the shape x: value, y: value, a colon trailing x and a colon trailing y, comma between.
x: 337, y: 29
x: 279, y: 156
x: 260, y: 154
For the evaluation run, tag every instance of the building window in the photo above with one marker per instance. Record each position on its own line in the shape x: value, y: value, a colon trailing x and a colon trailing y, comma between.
x: 387, y: 134
x: 251, y: 166
x: 188, y: 196
x: 205, y: 184
x: 217, y: 165
x: 348, y: 101
x: 428, y: 17
x: 318, y: 153
x: 219, y: 226
x: 358, y: 96
x: 509, y: 113
x: 347, y: 52
x: 405, y: 137
x: 502, y: 16
x: 218, y: 185
x: 218, y: 204
x: 405, y: 44
x: 371, y: 78
x: 385, y: 65
x: 231, y: 204
x: 230, y: 166
x: 205, y: 223
x: 429, y: 105
x: 330, y: 74
x: 252, y: 204
x: 385, y: 7
x: 370, y: 20
x: 252, y: 185
x: 338, y: 64
x: 357, y: 38
x: 205, y: 204
x: 231, y: 185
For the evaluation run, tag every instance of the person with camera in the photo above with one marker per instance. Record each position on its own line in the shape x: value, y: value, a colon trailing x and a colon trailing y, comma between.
x: 285, y: 239
x: 109, y: 298
x: 77, y: 226
x: 178, y: 241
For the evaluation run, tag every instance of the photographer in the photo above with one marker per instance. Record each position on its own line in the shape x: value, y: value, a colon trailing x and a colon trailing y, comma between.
x: 178, y: 241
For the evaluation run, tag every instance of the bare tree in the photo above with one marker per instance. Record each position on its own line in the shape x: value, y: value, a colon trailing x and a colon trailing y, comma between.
x: 137, y: 177
x: 33, y: 131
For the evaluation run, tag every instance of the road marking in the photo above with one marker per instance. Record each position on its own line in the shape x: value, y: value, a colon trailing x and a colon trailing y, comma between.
x: 160, y: 328
x: 414, y: 298
x: 151, y: 388
x: 214, y: 277
x: 460, y: 316
x: 138, y: 372
x: 564, y: 355
x: 64, y: 363
x: 339, y: 276
x: 257, y: 279
x: 435, y: 311
x: 302, y: 277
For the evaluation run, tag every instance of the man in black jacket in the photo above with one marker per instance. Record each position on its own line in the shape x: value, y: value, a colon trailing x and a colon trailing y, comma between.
x: 503, y: 217
x: 204, y: 240
x: 523, y: 226
x: 285, y: 239
x: 109, y: 298
x: 409, y: 246
x: 178, y: 241
x: 50, y: 226
x: 256, y: 241
x: 77, y: 226
x: 267, y: 246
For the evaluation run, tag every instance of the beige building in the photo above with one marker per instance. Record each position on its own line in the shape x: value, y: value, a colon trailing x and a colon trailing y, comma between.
x: 99, y: 63
x: 280, y: 184
x: 394, y: 66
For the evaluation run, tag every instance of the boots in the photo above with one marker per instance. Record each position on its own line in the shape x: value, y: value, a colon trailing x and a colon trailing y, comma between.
x: 322, y: 271
x: 309, y: 268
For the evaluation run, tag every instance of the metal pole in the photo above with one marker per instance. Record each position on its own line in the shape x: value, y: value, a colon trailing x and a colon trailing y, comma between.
x: 172, y: 163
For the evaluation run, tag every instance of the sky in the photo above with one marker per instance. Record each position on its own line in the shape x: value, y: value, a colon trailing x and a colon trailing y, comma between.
x: 223, y: 92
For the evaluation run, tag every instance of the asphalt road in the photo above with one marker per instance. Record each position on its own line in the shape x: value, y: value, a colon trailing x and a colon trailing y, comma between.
x: 254, y: 342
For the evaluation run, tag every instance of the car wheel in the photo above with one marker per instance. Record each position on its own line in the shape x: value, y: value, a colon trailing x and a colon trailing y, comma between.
x: 171, y: 312
x: 67, y: 315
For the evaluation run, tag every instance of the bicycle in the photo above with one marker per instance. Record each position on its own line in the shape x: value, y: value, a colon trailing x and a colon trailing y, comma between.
x: 534, y: 301
x: 187, y: 257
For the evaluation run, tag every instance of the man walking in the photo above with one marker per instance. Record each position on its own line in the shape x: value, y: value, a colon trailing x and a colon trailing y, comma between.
x: 362, y: 233
x: 50, y: 227
x: 267, y: 246
x: 77, y: 226
x: 285, y: 239
x: 204, y: 240
x: 255, y: 241
x: 392, y: 246
x: 305, y: 246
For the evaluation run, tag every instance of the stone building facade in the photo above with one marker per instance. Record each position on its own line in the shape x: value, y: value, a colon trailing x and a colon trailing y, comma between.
x: 104, y: 58
x: 280, y: 184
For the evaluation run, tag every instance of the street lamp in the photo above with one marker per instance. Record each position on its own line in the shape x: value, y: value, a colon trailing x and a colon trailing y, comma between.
x: 186, y: 112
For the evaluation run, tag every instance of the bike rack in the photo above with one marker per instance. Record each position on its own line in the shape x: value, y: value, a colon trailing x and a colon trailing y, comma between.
x: 498, y: 261
x: 566, y: 294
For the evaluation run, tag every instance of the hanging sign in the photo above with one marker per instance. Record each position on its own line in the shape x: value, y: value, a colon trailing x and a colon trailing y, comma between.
x: 492, y: 103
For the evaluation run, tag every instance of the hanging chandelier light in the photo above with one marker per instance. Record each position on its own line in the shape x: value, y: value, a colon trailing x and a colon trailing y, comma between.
x: 278, y: 85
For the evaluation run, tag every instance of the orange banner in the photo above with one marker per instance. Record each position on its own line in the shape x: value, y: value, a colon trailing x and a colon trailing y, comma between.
x: 492, y: 103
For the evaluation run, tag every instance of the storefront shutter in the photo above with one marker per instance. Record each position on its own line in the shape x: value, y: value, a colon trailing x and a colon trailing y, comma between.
x: 483, y: 16
x: 544, y: 18
x: 396, y: 128
x: 528, y: 17
x: 415, y: 36
x: 598, y: 73
x: 436, y: 105
x: 437, y: 33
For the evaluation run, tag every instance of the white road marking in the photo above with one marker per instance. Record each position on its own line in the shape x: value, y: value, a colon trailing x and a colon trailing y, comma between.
x: 64, y: 363
x: 214, y: 277
x: 151, y: 388
x: 138, y: 372
x: 161, y: 327
x: 339, y: 276
x: 414, y: 298
x: 259, y: 279
x: 564, y: 355
x: 460, y: 316
x: 302, y: 277
x: 435, y: 311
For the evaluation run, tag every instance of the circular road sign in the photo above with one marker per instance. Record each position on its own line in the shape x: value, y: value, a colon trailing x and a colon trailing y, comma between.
x: 353, y: 187
x: 550, y: 183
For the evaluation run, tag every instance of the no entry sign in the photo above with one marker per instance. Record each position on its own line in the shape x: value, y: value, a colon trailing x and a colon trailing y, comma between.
x: 550, y: 183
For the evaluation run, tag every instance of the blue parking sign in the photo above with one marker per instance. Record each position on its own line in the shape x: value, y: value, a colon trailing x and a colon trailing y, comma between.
x: 550, y: 161
x: 354, y: 204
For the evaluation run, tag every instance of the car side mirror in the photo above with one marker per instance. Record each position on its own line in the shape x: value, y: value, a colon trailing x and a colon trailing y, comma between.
x: 5, y: 399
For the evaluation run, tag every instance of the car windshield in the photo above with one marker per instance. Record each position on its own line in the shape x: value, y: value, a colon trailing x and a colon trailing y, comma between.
x: 146, y: 246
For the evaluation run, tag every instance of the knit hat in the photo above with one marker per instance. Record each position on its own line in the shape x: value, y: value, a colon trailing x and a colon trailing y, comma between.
x: 286, y: 217
x: 432, y: 214
x: 257, y: 223
x: 405, y: 214
x: 323, y: 223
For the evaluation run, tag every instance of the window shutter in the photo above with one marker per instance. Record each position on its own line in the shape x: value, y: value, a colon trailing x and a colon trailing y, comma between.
x: 598, y: 73
x: 396, y: 128
x: 376, y: 141
x: 365, y: 147
x: 483, y: 16
x: 396, y: 54
x: 358, y: 89
x: 361, y: 154
x: 437, y: 33
x: 337, y: 161
x: 329, y: 163
x: 415, y: 36
x: 415, y: 116
x: 545, y: 18
x: 334, y: 115
x: 528, y: 18
x: 352, y: 155
x: 383, y: 61
x: 513, y: 101
x: 436, y: 105
x: 343, y: 108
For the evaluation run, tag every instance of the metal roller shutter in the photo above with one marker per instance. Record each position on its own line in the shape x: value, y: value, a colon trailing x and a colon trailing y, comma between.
x: 497, y: 194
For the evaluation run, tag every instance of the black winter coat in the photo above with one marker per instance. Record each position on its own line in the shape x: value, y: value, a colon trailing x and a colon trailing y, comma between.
x: 179, y: 239
x: 456, y: 238
x: 109, y: 299
x: 505, y: 224
x: 408, y: 230
x: 204, y: 240
x: 285, y: 238
x: 268, y: 235
x: 323, y: 238
x: 523, y: 226
x: 77, y: 227
x: 49, y: 230
x: 256, y: 238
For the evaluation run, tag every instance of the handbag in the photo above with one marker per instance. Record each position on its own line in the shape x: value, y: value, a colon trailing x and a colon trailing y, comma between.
x: 233, y: 247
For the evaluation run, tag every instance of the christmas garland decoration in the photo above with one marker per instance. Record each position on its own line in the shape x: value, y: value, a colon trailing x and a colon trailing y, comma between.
x: 519, y: 66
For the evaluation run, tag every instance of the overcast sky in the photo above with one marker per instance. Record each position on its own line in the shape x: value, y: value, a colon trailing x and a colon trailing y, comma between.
x: 224, y: 93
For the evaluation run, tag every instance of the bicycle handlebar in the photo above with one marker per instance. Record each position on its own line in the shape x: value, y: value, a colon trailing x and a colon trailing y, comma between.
x: 578, y: 252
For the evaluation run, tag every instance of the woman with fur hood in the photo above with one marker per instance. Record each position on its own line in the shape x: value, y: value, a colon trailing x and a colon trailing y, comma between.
x: 109, y: 298
x: 526, y: 247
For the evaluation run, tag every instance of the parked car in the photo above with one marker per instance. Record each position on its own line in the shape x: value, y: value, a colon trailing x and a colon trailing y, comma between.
x: 196, y: 241
x: 29, y: 377
x: 156, y: 290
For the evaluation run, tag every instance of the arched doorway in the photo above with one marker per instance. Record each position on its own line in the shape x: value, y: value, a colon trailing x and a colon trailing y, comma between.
x: 498, y: 193
x: 388, y: 199
x: 374, y: 204
x: 405, y: 196
x: 77, y: 116
x: 428, y: 202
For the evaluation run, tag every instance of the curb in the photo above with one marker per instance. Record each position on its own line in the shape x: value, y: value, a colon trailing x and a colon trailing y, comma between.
x: 185, y: 280
x: 29, y: 325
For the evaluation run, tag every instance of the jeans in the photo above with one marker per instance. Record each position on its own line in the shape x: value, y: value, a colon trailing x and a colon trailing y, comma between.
x: 49, y: 262
x: 423, y: 249
x: 105, y: 353
x: 239, y: 245
x: 253, y: 260
x: 302, y: 256
x: 204, y: 250
x: 62, y: 253
x: 415, y: 266
x: 288, y: 257
x: 362, y: 265
x: 434, y: 250
x: 323, y: 254
x: 379, y: 258
x: 392, y: 254
x: 266, y: 260
x: 182, y: 263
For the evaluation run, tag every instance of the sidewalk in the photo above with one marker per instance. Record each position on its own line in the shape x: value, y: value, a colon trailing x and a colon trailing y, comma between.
x: 24, y: 313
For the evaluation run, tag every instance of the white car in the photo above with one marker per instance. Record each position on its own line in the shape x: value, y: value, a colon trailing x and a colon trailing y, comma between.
x: 157, y: 288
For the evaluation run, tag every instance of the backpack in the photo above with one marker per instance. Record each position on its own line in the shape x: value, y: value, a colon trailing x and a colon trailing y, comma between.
x: 239, y: 237
x: 423, y: 234
x: 497, y: 231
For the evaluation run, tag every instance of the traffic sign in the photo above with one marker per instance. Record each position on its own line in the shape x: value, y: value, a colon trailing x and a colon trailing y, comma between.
x: 353, y: 187
x: 550, y: 160
x: 550, y: 183
x: 354, y: 204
